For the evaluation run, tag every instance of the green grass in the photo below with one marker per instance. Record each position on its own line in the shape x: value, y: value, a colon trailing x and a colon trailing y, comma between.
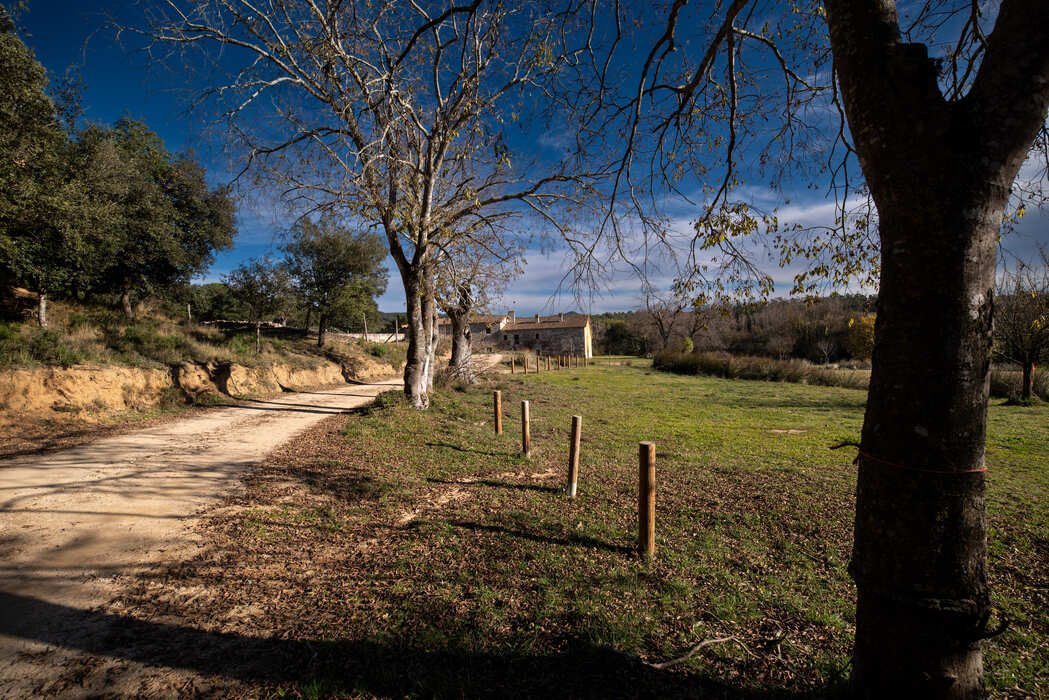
x: 437, y: 561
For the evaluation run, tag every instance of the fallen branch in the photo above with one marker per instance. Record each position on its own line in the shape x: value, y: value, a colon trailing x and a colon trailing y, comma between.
x: 699, y: 647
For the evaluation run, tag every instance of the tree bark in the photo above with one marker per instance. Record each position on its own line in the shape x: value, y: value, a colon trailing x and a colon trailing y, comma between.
x: 258, y: 337
x: 1027, y: 391
x: 418, y: 366
x: 919, y: 556
x: 940, y: 173
x: 461, y: 362
x: 125, y: 304
x: 309, y: 313
x: 41, y: 314
x: 322, y: 326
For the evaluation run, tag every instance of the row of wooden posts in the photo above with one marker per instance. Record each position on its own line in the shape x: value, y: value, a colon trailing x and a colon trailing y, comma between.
x: 646, y: 490
x: 559, y: 362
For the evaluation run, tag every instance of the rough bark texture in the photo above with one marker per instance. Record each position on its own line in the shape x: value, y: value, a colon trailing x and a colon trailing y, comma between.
x: 940, y: 174
x: 1027, y: 391
x: 322, y: 326
x: 461, y: 362
x: 41, y: 314
x: 421, y: 332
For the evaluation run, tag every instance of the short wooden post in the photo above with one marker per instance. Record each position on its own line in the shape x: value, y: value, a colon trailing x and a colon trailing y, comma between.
x: 524, y: 363
x: 547, y: 363
x: 513, y: 365
x: 526, y: 430
x: 538, y: 363
x: 646, y: 499
x: 497, y: 401
x: 573, y: 455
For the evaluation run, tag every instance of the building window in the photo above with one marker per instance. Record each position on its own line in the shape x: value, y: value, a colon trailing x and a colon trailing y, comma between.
x: 517, y: 339
x: 505, y: 337
x: 537, y: 336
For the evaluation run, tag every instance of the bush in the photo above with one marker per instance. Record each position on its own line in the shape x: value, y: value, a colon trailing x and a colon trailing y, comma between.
x: 378, y: 350
x: 48, y: 347
x: 722, y: 364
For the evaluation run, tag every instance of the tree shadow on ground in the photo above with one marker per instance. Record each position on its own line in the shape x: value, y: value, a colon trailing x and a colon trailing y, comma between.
x: 457, y: 448
x: 499, y: 485
x: 381, y: 667
x: 572, y: 539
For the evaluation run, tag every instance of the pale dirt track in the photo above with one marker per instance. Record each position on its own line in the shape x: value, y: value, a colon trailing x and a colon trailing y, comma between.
x: 73, y: 522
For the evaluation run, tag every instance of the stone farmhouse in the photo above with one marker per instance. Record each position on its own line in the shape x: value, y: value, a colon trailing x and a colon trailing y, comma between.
x: 561, y: 334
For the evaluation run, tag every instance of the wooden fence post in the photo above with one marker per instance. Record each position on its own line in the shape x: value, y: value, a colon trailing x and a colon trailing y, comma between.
x: 646, y: 499
x: 547, y: 363
x: 513, y: 365
x: 526, y: 430
x: 497, y: 400
x: 573, y: 455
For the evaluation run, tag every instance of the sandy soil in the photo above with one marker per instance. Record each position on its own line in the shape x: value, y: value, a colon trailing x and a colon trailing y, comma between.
x: 74, y: 522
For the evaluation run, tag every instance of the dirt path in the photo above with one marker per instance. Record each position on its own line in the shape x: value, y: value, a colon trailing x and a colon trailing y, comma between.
x: 73, y: 522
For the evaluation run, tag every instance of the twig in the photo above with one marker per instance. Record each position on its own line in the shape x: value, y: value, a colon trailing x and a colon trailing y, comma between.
x: 699, y: 647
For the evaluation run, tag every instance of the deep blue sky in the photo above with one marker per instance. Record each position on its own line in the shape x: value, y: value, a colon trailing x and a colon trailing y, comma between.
x: 120, y: 82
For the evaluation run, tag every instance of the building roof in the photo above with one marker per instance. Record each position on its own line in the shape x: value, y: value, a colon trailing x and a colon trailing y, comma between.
x: 549, y: 323
x: 476, y: 318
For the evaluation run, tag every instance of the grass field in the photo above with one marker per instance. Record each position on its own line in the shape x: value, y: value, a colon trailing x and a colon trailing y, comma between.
x: 403, y: 553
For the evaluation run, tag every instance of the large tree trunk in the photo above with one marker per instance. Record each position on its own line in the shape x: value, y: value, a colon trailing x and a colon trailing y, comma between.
x: 422, y: 346
x: 322, y: 323
x: 41, y: 314
x: 1027, y: 391
x: 919, y: 557
x: 940, y: 173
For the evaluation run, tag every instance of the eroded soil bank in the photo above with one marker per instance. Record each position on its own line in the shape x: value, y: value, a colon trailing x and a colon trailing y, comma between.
x: 94, y: 393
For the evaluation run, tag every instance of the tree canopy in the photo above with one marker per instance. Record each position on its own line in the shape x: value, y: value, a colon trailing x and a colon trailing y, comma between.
x: 336, y: 271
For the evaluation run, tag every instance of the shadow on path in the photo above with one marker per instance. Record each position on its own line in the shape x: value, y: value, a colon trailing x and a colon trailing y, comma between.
x: 378, y: 667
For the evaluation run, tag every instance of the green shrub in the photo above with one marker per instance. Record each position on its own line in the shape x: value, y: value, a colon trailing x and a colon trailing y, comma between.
x: 728, y: 366
x: 48, y: 347
x: 687, y: 345
x: 377, y: 350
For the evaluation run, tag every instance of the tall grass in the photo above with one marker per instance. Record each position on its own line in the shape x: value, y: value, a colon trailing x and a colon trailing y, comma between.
x: 728, y: 366
x: 1007, y: 383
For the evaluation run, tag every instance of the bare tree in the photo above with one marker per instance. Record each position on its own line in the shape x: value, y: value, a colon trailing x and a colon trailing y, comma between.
x: 471, y: 275
x: 1021, y: 320
x: 664, y: 310
x: 392, y: 110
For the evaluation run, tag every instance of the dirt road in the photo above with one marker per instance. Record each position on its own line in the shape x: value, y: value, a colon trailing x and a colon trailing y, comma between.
x: 73, y: 522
